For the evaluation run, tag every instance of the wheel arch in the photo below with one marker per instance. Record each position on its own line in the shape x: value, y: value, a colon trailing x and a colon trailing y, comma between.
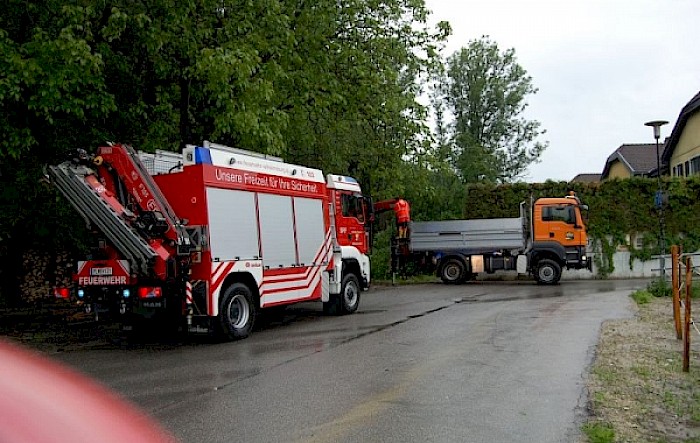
x: 457, y: 256
x: 245, y: 278
x: 547, y: 250
x: 352, y: 265
x: 350, y: 254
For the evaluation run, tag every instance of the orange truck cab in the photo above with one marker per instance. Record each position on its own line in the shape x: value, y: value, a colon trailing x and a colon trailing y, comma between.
x: 558, y: 231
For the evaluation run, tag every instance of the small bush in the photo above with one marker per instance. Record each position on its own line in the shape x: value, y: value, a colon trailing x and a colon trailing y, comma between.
x: 659, y: 288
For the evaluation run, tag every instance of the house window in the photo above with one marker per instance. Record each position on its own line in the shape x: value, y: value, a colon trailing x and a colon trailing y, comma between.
x: 687, y: 169
x: 695, y: 165
x: 678, y: 170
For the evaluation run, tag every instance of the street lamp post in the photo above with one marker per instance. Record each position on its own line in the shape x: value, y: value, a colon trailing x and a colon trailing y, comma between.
x: 657, y: 124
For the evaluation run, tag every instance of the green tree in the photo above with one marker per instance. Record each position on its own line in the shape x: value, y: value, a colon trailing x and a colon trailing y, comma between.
x: 352, y: 94
x: 324, y: 83
x: 485, y: 91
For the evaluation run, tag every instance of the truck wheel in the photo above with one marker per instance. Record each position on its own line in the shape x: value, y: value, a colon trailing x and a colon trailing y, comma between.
x: 236, y: 312
x: 348, y: 300
x: 548, y: 272
x: 452, y: 271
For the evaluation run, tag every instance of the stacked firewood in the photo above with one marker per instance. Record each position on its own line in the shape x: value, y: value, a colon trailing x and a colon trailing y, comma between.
x: 43, y: 272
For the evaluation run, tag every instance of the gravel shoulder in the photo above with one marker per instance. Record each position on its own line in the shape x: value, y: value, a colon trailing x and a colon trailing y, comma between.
x: 636, y: 385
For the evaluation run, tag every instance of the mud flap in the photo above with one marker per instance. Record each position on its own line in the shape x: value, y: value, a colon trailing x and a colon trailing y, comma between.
x: 325, y: 287
x: 521, y: 264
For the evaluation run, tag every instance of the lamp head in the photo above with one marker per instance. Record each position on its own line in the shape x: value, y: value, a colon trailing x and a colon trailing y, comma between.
x: 656, y: 124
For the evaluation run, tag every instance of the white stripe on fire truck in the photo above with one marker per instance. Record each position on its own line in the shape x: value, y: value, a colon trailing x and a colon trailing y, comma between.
x: 293, y: 285
x: 219, y: 274
x: 293, y: 294
x: 290, y: 279
x: 297, y: 273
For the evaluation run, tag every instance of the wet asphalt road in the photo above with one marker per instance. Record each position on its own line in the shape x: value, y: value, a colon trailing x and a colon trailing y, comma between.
x: 481, y: 362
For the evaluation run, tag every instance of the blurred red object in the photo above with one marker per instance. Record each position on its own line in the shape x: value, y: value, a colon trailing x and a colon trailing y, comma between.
x: 44, y: 401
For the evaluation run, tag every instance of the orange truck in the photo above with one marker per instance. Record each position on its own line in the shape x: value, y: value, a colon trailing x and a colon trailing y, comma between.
x: 549, y: 236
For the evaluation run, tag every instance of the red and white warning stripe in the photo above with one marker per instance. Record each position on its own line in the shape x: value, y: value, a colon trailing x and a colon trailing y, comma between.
x: 188, y: 293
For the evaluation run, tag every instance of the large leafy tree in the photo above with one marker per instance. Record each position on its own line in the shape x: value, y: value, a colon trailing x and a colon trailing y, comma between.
x: 352, y: 97
x: 327, y: 83
x: 485, y: 91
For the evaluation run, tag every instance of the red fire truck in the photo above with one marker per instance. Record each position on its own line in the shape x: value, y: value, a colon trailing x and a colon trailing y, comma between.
x: 223, y: 233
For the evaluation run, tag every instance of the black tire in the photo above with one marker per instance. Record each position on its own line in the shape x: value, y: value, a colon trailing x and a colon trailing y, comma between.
x: 548, y: 272
x: 236, y: 312
x: 348, y: 300
x: 452, y: 271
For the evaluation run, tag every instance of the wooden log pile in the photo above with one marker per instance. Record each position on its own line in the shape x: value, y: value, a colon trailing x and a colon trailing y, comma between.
x: 44, y: 271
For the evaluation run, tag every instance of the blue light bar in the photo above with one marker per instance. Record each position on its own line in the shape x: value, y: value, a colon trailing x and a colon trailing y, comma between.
x: 346, y: 179
x: 202, y: 155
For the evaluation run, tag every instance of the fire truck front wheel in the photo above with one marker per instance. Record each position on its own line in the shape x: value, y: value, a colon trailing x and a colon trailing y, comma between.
x: 236, y: 312
x: 349, y: 298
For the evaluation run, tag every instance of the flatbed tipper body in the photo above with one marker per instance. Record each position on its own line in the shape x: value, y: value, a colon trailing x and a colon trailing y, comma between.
x: 471, y: 236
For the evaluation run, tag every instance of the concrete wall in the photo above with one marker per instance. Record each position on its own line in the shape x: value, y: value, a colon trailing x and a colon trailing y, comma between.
x: 621, y: 261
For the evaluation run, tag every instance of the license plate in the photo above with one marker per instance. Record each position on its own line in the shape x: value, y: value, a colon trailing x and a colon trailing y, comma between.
x: 152, y: 304
x: 100, y: 271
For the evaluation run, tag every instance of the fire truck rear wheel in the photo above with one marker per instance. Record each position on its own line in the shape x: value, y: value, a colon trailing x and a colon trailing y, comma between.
x: 548, y: 272
x: 236, y: 312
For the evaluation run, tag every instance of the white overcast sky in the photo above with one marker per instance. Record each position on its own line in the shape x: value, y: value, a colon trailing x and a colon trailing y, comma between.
x: 603, y: 68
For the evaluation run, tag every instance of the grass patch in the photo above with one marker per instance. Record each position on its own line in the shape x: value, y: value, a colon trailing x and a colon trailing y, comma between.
x: 642, y: 371
x: 642, y: 296
x: 606, y: 374
x: 637, y: 387
x: 599, y: 432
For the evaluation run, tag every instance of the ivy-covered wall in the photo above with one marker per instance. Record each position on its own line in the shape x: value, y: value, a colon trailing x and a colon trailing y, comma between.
x: 618, y: 210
